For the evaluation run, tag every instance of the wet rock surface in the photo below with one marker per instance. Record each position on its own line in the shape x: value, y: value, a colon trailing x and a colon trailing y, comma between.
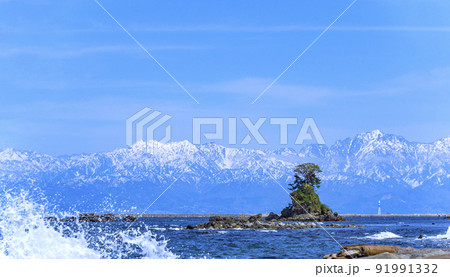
x: 428, y: 253
x: 272, y: 221
x: 372, y: 251
x: 362, y: 250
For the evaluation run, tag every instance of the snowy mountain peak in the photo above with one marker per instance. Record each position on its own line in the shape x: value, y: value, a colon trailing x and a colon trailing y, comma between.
x: 372, y: 164
x: 9, y: 154
x: 375, y: 134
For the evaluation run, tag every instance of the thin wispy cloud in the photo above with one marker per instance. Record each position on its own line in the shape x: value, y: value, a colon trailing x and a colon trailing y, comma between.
x: 49, y: 52
x: 229, y: 29
x: 433, y: 81
x: 288, y: 28
x: 60, y: 53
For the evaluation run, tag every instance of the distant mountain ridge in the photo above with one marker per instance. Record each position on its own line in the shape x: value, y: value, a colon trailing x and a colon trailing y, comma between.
x: 408, y: 177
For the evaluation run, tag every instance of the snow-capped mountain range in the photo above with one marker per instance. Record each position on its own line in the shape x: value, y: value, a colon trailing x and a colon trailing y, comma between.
x: 408, y: 177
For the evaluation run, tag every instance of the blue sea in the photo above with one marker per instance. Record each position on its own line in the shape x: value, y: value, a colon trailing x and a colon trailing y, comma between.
x: 24, y: 233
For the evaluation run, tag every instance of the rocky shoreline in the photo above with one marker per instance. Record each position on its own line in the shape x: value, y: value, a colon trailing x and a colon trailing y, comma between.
x: 272, y: 221
x: 373, y: 251
x: 92, y: 217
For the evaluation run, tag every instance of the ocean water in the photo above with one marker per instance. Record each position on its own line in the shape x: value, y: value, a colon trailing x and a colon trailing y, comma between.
x: 25, y: 234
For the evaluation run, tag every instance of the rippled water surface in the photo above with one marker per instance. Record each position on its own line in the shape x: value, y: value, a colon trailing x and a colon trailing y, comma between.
x: 305, y: 243
x: 25, y: 234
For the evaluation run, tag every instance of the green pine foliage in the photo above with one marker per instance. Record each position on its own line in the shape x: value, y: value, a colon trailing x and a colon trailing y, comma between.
x: 304, y: 196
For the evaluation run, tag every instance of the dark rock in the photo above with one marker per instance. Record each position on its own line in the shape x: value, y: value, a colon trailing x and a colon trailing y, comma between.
x: 272, y: 216
x: 108, y: 218
x: 129, y: 218
x: 229, y: 219
x: 246, y: 223
x: 287, y: 212
x: 242, y: 219
x: 215, y: 218
x: 306, y: 206
x: 91, y: 217
x: 51, y: 218
x: 88, y: 217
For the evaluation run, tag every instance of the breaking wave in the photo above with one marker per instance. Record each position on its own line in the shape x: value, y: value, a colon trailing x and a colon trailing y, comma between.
x: 383, y: 235
x: 25, y: 233
x: 443, y: 236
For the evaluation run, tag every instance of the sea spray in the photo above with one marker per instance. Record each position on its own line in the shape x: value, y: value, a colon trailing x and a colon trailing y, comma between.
x: 25, y: 233
x: 445, y: 236
x: 383, y: 235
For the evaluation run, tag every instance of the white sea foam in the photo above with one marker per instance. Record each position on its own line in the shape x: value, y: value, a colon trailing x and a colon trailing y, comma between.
x: 266, y: 230
x: 24, y: 233
x: 443, y: 236
x: 446, y: 235
x: 175, y: 228
x: 383, y: 235
x: 158, y: 228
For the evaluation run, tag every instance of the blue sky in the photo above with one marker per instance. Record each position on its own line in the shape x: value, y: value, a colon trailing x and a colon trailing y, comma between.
x: 70, y: 77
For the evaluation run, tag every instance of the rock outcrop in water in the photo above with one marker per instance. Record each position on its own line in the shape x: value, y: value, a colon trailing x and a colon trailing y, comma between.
x: 257, y: 222
x: 129, y: 218
x: 92, y: 217
x: 306, y: 206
